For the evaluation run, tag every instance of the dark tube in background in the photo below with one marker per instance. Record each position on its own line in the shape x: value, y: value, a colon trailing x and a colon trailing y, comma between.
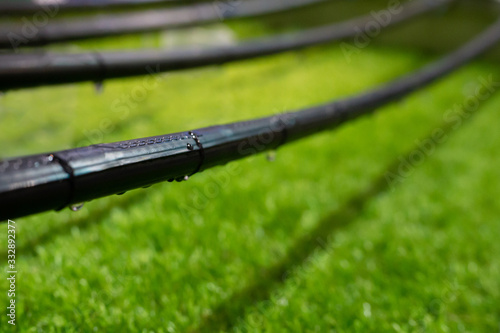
x: 22, y: 7
x: 17, y: 7
x: 31, y: 70
x: 103, y: 25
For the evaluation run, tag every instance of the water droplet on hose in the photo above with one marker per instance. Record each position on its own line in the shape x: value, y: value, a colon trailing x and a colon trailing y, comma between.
x: 76, y: 207
x: 99, y: 87
x: 271, y: 156
x: 181, y: 179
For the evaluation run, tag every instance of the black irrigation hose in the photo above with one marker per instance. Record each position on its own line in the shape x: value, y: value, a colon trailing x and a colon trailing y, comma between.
x: 37, y: 183
x: 31, y: 70
x: 14, y: 35
x: 16, y: 7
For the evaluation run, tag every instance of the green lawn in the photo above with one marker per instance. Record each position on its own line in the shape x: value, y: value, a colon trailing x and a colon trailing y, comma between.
x: 316, y: 241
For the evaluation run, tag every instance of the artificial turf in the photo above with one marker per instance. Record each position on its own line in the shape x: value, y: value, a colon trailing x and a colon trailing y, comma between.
x: 319, y: 240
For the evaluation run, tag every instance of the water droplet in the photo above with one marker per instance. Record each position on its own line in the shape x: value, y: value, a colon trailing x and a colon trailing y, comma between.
x: 76, y: 207
x: 99, y: 87
x: 180, y: 179
x: 50, y: 158
x: 190, y: 146
x: 271, y: 156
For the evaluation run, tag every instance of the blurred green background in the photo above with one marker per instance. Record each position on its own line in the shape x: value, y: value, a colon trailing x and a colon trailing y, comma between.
x: 318, y: 240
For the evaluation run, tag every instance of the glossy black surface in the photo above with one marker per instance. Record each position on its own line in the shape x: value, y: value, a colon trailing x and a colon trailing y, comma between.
x: 48, y: 181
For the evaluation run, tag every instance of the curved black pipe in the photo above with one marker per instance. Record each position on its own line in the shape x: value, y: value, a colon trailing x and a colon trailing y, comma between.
x: 31, y: 70
x: 9, y: 7
x: 37, y: 183
x: 19, y: 35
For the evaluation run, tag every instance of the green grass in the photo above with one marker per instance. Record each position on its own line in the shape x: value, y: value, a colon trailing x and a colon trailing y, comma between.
x: 316, y: 241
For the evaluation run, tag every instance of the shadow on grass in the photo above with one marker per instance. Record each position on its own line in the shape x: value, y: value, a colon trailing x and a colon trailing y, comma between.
x: 227, y: 314
x: 84, y: 222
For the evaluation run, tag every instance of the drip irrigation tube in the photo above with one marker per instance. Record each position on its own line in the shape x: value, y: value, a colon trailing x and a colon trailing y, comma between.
x: 15, y: 35
x: 31, y: 70
x: 38, y: 183
x: 16, y: 7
